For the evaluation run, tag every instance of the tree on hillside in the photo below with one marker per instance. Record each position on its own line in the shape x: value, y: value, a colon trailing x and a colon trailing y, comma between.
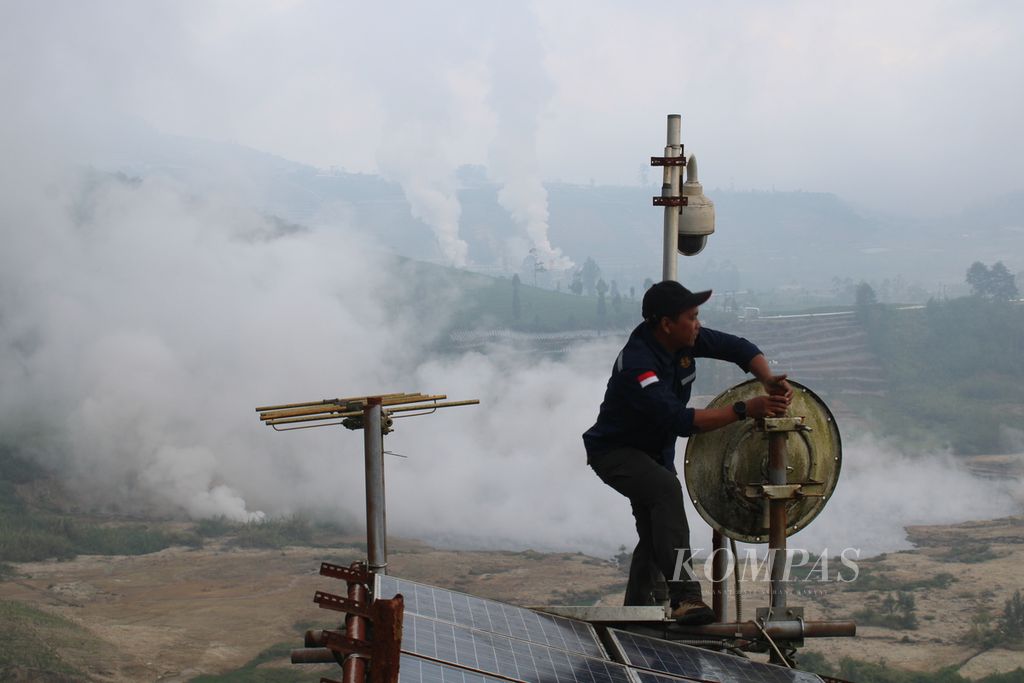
x: 616, y: 297
x: 1012, y: 622
x: 602, y: 289
x: 996, y: 283
x: 515, y: 297
x: 978, y: 277
x: 576, y: 287
x: 590, y: 273
x: 1004, y: 286
x: 865, y: 295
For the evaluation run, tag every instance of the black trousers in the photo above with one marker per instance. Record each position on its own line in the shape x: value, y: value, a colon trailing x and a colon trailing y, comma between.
x: 656, y: 497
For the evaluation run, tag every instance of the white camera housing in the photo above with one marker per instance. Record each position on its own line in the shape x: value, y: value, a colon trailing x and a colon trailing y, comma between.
x: 697, y: 217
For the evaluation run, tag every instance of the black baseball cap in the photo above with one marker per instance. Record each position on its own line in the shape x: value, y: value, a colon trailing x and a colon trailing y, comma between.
x: 669, y: 299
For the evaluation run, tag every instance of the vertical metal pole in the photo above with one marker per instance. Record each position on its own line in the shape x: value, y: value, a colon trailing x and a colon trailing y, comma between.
x: 354, y: 667
x: 777, y: 518
x: 670, y: 186
x: 719, y: 583
x: 376, y: 530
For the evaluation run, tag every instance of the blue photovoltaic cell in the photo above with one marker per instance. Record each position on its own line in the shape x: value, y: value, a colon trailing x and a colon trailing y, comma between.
x: 693, y: 662
x: 509, y: 657
x: 493, y: 617
x: 648, y: 677
x: 413, y: 669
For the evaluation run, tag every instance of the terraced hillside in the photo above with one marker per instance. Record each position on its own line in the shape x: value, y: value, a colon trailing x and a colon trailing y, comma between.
x: 828, y: 351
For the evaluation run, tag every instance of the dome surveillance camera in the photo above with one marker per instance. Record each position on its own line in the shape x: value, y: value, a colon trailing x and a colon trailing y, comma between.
x: 697, y: 216
x: 690, y: 245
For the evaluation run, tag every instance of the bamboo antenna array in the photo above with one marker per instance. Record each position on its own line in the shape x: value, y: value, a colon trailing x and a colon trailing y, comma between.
x: 333, y: 411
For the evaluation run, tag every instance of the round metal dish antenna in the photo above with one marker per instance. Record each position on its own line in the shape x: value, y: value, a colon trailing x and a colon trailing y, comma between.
x: 726, y: 470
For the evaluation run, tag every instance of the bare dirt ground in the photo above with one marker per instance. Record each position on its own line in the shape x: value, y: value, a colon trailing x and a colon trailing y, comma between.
x: 945, y: 615
x: 179, y: 613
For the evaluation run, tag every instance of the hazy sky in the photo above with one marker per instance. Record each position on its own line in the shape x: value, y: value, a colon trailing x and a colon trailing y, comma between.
x: 891, y: 104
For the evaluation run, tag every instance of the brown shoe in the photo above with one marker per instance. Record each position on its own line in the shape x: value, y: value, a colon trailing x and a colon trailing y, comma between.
x: 693, y: 612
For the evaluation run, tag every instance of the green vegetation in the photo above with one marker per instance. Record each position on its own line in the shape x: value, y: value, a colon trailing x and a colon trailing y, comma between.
x: 488, y: 303
x: 1006, y: 631
x: 870, y: 672
x: 1012, y: 622
x: 993, y: 283
x: 897, y: 612
x: 969, y: 553
x: 275, y: 533
x: 952, y: 370
x: 29, y: 538
x: 868, y: 580
x: 213, y: 527
x: 27, y: 636
x: 482, y: 302
x: 28, y: 535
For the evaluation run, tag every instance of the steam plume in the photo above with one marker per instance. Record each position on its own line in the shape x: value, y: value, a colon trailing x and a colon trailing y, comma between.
x: 520, y: 90
x: 414, y: 158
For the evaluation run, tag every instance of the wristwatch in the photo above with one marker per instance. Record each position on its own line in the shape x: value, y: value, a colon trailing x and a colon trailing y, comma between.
x: 740, y: 408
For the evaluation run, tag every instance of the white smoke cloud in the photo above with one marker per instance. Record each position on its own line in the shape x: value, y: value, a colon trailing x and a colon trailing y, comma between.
x: 511, y: 472
x: 520, y: 92
x: 430, y: 91
x: 884, y: 488
x: 414, y: 156
x: 140, y: 327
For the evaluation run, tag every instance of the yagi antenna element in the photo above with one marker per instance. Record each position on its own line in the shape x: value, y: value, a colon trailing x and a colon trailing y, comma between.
x: 374, y: 415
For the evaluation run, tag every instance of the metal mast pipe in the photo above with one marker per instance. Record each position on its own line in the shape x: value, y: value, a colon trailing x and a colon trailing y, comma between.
x: 719, y: 579
x: 670, y: 188
x: 777, y: 517
x: 354, y: 666
x: 376, y: 530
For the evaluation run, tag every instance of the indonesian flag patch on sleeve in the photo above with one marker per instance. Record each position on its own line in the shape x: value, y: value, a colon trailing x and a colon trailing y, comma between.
x: 647, y: 379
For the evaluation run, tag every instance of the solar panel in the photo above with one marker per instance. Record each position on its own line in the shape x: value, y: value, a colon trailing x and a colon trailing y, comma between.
x: 493, y: 617
x: 417, y: 670
x: 507, y: 657
x: 477, y: 641
x: 693, y: 662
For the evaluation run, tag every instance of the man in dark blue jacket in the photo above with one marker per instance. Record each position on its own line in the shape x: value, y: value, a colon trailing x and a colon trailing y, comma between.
x: 631, y: 447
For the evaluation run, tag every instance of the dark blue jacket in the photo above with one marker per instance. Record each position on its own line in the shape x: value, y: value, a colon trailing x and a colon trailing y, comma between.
x: 644, y: 405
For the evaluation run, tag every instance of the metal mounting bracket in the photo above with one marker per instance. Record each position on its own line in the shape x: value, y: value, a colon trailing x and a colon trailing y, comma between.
x: 354, y: 574
x: 671, y: 201
x: 671, y: 161
x: 807, y: 489
x: 340, y: 604
x: 782, y: 424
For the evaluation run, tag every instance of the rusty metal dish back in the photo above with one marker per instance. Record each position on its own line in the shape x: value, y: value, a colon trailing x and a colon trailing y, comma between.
x: 720, y: 464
